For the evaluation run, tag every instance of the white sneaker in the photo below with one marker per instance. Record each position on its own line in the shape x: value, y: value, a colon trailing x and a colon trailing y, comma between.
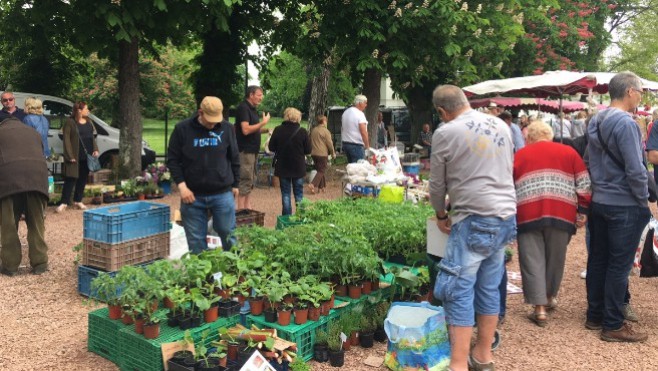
x: 80, y: 206
x: 583, y: 274
x: 60, y: 208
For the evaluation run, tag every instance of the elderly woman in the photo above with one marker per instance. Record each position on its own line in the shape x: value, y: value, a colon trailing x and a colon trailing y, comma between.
x: 553, y: 193
x: 36, y: 119
x: 290, y: 143
x: 321, y: 147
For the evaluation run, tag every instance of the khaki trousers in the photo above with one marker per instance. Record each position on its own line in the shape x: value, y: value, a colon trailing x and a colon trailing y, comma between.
x: 33, y: 205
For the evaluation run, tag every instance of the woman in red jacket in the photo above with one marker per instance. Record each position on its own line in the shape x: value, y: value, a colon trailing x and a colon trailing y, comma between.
x: 553, y: 193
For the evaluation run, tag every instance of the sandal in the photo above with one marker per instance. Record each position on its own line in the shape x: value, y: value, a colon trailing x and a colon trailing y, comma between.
x: 311, y: 188
x: 540, y: 319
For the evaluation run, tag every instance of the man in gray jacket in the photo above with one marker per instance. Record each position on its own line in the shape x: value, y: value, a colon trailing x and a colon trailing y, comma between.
x: 471, y: 161
x: 619, y: 210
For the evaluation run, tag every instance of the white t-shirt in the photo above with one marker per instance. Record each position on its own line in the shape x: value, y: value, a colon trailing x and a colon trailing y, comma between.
x: 351, y: 119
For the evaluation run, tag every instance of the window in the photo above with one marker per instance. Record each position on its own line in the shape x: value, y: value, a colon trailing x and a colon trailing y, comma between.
x: 56, y: 113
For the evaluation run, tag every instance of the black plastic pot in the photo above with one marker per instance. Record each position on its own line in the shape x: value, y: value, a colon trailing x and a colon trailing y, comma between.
x: 380, y: 335
x: 270, y: 315
x: 211, y: 365
x: 244, y: 354
x: 366, y: 339
x: 173, y: 319
x: 320, y: 353
x: 173, y: 366
x: 228, y: 308
x: 196, y: 321
x: 337, y: 359
x: 185, y: 322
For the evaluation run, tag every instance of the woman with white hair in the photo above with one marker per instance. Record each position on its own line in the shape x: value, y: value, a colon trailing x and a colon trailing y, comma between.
x: 36, y: 119
x: 290, y: 143
x: 553, y: 194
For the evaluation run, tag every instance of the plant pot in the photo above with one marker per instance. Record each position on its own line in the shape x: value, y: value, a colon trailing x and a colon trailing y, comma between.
x: 168, y: 303
x: 127, y: 319
x: 228, y: 308
x: 114, y: 311
x: 332, y: 301
x: 141, y: 197
x: 244, y: 354
x: 180, y: 357
x: 325, y: 308
x: 341, y: 290
x: 375, y: 285
x: 212, y: 364
x: 347, y: 345
x: 154, y: 305
x: 354, y: 338
x: 380, y: 334
x: 210, y: 315
x: 320, y: 353
x: 256, y: 305
x: 301, y: 316
x: 355, y: 291
x: 266, y: 304
x: 196, y: 320
x: 289, y: 299
x: 284, y: 317
x: 97, y: 200
x: 232, y: 351
x: 314, y: 313
x: 187, y: 322
x: 366, y: 339
x: 173, y: 320
x: 241, y: 299
x: 337, y: 359
x: 139, y: 325
x: 151, y: 330
x: 366, y: 288
x: 270, y: 315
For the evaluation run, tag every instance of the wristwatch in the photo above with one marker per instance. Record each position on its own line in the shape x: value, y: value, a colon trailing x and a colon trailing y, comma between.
x: 442, y: 217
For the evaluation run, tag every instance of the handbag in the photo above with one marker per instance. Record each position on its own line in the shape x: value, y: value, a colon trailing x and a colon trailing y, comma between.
x: 92, y: 162
x: 276, y: 159
x: 651, y: 182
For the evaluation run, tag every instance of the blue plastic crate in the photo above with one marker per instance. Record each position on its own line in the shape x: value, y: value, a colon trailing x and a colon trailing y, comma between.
x: 120, y: 223
x: 87, y: 274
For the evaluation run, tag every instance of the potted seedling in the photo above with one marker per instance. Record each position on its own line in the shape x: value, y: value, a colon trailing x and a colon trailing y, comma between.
x: 178, y: 298
x: 320, y: 349
x: 380, y: 312
x: 105, y: 288
x: 335, y: 345
x: 169, y: 275
x: 232, y: 344
x: 97, y: 196
x: 367, y: 331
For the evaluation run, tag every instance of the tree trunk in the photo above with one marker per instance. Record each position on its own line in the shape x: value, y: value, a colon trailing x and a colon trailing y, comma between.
x: 129, y: 118
x: 372, y: 80
x: 420, y: 109
x: 318, y: 104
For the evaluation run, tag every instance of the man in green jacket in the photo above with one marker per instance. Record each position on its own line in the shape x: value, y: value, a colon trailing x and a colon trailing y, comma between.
x: 23, y: 191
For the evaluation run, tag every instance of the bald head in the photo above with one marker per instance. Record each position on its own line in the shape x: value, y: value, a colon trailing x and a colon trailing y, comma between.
x: 450, y: 98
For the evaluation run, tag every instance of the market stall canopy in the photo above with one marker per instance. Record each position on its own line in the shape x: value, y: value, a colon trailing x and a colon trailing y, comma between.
x: 521, y: 103
x: 550, y: 84
x: 603, y: 79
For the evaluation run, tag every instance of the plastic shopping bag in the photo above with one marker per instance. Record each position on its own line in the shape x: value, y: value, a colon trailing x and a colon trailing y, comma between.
x: 418, y: 337
x: 392, y: 194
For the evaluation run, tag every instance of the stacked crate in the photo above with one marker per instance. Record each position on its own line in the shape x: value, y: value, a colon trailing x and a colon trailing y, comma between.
x: 128, y: 234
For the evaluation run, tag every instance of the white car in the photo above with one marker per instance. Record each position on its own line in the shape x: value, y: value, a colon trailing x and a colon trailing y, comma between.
x: 57, y: 110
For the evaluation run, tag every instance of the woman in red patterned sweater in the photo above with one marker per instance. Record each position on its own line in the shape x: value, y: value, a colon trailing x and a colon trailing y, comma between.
x: 553, y: 193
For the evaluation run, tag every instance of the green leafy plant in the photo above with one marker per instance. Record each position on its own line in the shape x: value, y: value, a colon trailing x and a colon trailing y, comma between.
x: 299, y: 365
x: 105, y: 288
x: 321, y: 337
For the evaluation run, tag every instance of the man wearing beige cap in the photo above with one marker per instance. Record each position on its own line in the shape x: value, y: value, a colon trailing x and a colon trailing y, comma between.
x: 204, y: 161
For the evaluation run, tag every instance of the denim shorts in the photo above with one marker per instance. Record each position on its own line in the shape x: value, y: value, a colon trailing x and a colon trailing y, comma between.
x: 471, y: 271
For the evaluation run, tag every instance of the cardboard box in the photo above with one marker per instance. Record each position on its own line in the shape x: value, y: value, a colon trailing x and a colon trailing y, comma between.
x: 436, y: 240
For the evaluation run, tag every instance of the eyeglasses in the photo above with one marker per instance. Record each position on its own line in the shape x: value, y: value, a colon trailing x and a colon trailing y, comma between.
x: 7, y: 100
x: 637, y: 90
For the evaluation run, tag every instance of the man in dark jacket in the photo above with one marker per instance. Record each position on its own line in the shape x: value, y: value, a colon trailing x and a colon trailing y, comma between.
x: 9, y: 108
x: 23, y: 191
x: 205, y: 164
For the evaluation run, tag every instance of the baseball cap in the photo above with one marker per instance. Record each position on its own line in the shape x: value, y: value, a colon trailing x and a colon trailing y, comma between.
x: 212, y: 108
x: 492, y: 105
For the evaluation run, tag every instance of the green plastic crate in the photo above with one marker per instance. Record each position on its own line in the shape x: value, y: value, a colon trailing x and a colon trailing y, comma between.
x: 283, y: 221
x: 302, y: 335
x: 141, y: 354
x: 103, y: 334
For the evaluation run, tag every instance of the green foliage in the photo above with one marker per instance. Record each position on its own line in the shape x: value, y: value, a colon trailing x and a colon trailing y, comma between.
x: 298, y: 364
x: 105, y: 286
x: 321, y: 337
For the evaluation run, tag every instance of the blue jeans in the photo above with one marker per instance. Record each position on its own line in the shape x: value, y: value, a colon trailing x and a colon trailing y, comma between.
x: 471, y: 272
x: 588, y: 239
x: 195, y: 220
x: 615, y: 235
x: 354, y: 152
x: 297, y: 185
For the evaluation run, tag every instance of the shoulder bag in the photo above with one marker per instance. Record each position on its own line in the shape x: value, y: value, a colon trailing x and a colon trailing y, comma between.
x: 92, y: 162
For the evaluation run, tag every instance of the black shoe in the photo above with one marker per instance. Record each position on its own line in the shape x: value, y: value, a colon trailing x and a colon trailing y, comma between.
x: 40, y: 269
x: 591, y: 325
x: 6, y: 272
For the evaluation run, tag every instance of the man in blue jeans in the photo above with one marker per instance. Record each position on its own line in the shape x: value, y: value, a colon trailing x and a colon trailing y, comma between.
x: 354, y: 130
x: 204, y: 161
x: 619, y: 210
x: 471, y: 161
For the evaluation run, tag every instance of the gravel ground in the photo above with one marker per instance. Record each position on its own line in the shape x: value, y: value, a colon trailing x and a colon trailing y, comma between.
x: 44, y: 320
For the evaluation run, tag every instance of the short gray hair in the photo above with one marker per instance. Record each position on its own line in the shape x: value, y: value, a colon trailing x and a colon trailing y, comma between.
x: 621, y: 82
x: 360, y: 99
x: 449, y: 97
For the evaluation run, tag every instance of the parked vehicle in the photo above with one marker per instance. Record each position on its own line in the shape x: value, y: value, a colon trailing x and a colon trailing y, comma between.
x: 57, y: 110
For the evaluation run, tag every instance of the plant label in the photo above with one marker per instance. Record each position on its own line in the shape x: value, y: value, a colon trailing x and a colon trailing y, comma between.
x: 343, y: 338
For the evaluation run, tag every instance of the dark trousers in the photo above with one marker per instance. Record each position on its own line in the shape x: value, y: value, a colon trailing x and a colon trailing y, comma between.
x: 78, y: 183
x: 320, y: 164
x: 33, y: 206
x: 615, y: 235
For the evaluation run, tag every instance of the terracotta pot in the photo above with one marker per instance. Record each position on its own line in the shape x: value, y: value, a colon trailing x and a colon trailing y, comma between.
x: 155, y: 305
x: 366, y: 288
x: 354, y: 338
x: 314, y: 313
x: 257, y: 305
x: 232, y: 351
x: 325, y: 308
x: 289, y: 299
x: 266, y: 304
x: 152, y: 330
x: 375, y: 285
x: 114, y: 311
x: 141, y: 196
x: 284, y: 317
x: 347, y: 345
x: 211, y: 314
x: 127, y: 319
x: 341, y: 290
x: 241, y: 299
x: 332, y: 301
x: 223, y: 293
x: 301, y: 316
x: 355, y: 291
x: 139, y: 325
x: 168, y: 303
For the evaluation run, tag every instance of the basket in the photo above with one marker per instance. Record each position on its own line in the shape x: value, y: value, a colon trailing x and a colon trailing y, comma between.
x: 111, y: 257
x: 249, y: 217
x: 283, y: 221
x: 101, y: 176
x: 120, y: 223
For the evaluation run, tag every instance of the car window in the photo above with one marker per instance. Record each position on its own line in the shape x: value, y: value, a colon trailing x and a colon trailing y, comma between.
x: 56, y: 112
